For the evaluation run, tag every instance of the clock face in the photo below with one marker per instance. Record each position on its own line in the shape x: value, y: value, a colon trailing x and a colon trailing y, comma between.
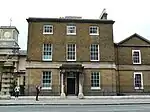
x: 7, y: 34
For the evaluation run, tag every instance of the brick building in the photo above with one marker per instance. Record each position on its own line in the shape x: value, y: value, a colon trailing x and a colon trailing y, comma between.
x: 133, y: 65
x: 75, y: 56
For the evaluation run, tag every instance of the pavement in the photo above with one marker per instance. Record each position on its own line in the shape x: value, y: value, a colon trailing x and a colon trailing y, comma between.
x: 93, y: 100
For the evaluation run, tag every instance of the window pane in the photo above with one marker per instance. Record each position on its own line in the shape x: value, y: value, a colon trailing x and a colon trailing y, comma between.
x: 46, y: 79
x: 138, y: 80
x: 47, y: 51
x: 71, y: 51
x: 93, y: 30
x: 48, y: 29
x: 95, y: 79
x: 94, y: 53
x: 71, y: 29
x: 136, y: 56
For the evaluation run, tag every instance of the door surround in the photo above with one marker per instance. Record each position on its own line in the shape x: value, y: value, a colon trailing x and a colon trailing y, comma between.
x: 71, y: 71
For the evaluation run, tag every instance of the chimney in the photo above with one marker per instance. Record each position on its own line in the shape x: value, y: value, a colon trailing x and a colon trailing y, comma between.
x: 103, y: 15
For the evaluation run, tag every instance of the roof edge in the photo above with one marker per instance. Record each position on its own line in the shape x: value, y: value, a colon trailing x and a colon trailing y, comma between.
x: 30, y: 19
x: 135, y: 34
x: 9, y: 27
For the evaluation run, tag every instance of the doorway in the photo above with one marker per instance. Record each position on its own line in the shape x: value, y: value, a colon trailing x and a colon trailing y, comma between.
x: 71, y: 86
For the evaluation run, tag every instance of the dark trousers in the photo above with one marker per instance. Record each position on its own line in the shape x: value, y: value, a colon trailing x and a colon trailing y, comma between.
x: 37, y: 94
x: 16, y: 94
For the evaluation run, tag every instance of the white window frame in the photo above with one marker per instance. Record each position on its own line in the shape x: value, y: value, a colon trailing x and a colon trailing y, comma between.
x: 50, y: 87
x: 96, y: 88
x: 48, y: 26
x: 51, y: 56
x: 70, y: 51
x: 141, y: 80
x: 139, y: 56
x: 91, y: 28
x: 68, y: 29
x: 94, y: 51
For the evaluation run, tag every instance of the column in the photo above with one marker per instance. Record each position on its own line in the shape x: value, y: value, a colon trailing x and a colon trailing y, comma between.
x: 81, y: 79
x: 62, y: 86
x: 6, y: 87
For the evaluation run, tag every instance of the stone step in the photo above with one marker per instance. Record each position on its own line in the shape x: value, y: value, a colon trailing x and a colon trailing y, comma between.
x: 71, y: 97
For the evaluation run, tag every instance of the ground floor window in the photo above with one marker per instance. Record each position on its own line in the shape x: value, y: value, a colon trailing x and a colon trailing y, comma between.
x: 138, y: 80
x: 46, y: 80
x: 95, y: 80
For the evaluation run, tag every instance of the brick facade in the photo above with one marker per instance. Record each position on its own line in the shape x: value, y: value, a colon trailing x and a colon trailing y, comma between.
x: 115, y: 65
x: 126, y: 68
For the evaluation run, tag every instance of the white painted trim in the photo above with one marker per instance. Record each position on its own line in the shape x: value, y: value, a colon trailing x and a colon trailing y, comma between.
x: 98, y: 53
x: 67, y: 53
x: 46, y: 88
x: 72, y: 60
x: 138, y: 88
x: 94, y: 33
x: 141, y: 80
x: 139, y: 56
x: 71, y: 33
x: 51, y: 80
x: 47, y: 60
x: 97, y: 88
x: 47, y: 32
x: 51, y: 53
x: 94, y: 60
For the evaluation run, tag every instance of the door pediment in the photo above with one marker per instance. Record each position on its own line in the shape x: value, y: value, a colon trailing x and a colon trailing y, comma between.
x: 71, y: 68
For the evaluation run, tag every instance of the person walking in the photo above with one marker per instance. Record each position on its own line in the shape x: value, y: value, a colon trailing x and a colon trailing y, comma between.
x: 38, y: 89
x: 17, y: 90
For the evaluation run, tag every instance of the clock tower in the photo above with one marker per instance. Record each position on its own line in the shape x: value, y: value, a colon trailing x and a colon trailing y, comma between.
x: 8, y: 39
x: 9, y: 51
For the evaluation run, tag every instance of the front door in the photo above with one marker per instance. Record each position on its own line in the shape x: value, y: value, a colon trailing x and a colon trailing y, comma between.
x: 70, y: 86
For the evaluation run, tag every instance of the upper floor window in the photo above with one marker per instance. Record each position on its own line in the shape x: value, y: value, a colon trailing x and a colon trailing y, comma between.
x: 95, y: 80
x: 48, y: 29
x: 138, y: 80
x: 94, y: 52
x: 94, y: 30
x: 71, y: 52
x: 47, y: 52
x: 46, y: 80
x: 71, y: 30
x: 136, y: 56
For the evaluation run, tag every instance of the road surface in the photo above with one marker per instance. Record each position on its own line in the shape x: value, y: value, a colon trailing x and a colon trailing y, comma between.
x: 77, y: 108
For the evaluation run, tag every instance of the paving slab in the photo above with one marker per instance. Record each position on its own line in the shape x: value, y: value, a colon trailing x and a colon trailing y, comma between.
x: 47, y: 100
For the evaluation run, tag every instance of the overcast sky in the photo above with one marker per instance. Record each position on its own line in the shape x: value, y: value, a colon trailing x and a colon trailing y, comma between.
x: 130, y: 16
